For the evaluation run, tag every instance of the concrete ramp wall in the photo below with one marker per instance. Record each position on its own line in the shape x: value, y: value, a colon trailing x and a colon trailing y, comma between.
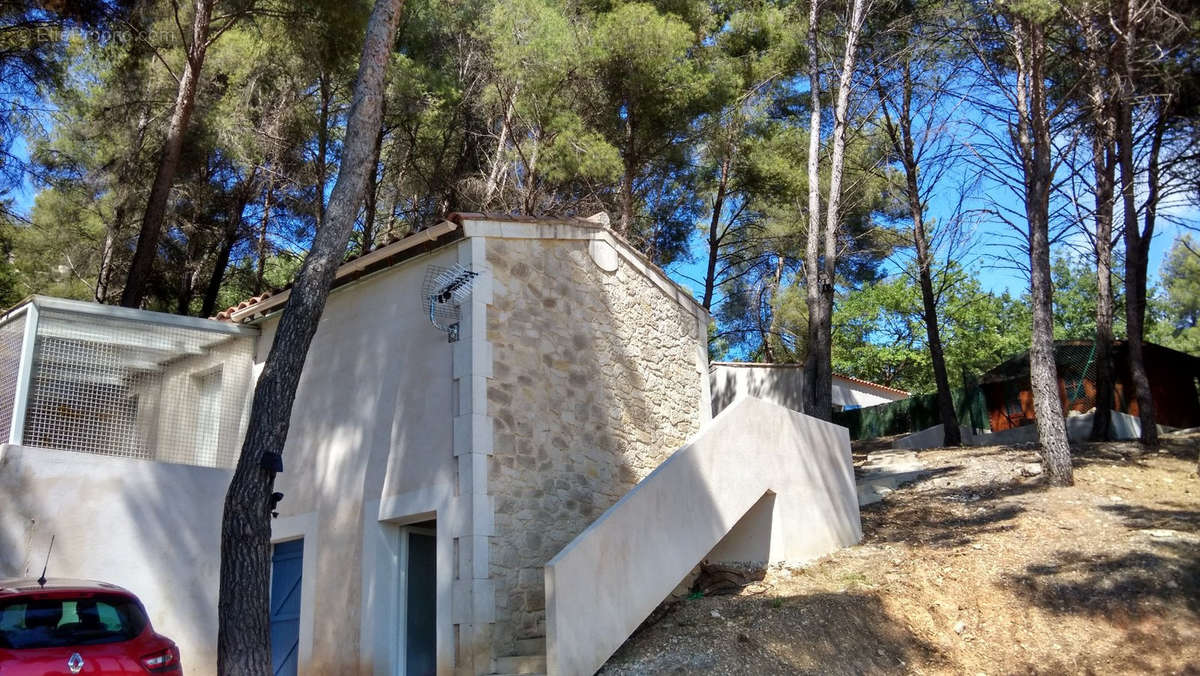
x: 151, y: 527
x: 603, y: 584
x: 1079, y: 428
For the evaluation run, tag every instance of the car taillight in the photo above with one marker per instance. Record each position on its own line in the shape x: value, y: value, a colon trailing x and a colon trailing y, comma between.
x: 162, y: 661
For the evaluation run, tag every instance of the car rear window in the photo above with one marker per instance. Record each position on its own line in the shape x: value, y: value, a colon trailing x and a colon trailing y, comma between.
x: 60, y: 622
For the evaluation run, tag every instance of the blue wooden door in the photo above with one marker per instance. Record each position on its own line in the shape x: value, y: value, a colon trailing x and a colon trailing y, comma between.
x: 287, y: 562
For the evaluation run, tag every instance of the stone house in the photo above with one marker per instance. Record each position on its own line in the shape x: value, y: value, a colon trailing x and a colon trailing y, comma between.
x: 451, y: 473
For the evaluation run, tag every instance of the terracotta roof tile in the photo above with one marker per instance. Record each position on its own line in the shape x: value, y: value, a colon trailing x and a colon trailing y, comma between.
x: 597, y: 221
x: 225, y: 314
x: 868, y: 383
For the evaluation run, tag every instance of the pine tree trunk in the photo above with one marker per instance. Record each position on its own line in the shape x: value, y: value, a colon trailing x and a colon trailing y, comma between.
x: 626, y: 199
x: 904, y: 145
x: 819, y: 362
x: 370, y: 202
x: 1103, y: 165
x: 323, y: 143
x: 1035, y: 150
x: 104, y: 274
x: 627, y: 178
x: 229, y: 239
x: 953, y: 435
x: 1103, y: 170
x: 261, y: 248
x: 1137, y: 254
x: 243, y: 640
x: 493, y: 179
x: 1137, y: 243
x: 812, y: 245
x: 156, y: 206
x: 776, y: 285
x: 187, y: 290
x: 714, y: 235
x: 531, y: 179
x: 208, y: 306
x: 112, y: 231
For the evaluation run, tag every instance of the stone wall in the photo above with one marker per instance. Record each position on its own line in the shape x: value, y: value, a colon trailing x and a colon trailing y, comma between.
x: 597, y: 378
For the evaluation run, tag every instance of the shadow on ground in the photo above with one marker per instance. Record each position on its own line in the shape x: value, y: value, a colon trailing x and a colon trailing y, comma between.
x: 1172, y: 516
x: 843, y: 633
x: 1136, y: 583
x: 950, y: 517
x: 1149, y: 592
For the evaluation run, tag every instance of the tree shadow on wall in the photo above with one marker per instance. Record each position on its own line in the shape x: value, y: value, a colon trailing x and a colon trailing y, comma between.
x: 21, y: 545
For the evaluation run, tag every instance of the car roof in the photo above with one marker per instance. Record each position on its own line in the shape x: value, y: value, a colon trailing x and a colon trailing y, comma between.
x: 22, y: 586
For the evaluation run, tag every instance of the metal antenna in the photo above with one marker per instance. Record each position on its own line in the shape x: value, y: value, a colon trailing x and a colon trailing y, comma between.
x: 444, y: 290
x: 42, y: 580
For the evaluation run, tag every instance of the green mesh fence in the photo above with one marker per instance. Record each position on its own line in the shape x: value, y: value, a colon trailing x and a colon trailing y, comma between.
x: 913, y: 414
x: 1076, y: 362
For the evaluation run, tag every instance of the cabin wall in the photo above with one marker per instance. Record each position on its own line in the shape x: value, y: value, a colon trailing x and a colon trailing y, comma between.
x: 1173, y: 384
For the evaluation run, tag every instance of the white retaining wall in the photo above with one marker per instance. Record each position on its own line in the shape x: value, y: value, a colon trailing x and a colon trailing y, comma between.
x: 603, y: 584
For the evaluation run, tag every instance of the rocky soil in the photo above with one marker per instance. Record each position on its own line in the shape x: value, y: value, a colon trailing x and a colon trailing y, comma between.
x: 977, y: 568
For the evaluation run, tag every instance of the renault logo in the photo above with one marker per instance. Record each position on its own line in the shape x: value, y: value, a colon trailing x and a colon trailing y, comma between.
x: 75, y: 664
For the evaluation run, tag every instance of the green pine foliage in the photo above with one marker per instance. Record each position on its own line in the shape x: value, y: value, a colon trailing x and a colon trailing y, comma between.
x: 1177, y: 309
x: 879, y: 332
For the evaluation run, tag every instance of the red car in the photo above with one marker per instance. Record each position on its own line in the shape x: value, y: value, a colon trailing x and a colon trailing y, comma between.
x: 66, y: 627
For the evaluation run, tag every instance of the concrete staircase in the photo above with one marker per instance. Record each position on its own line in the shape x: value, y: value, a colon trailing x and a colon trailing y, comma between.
x: 786, y: 482
x: 530, y: 662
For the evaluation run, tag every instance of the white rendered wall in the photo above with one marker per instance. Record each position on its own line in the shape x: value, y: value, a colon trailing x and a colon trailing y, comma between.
x: 153, y: 528
x: 370, y: 441
x: 372, y: 424
x: 847, y: 393
x: 783, y: 384
x: 784, y: 479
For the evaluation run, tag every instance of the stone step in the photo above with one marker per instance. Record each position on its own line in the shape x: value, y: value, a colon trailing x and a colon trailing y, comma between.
x: 532, y: 646
x: 519, y: 664
x: 884, y: 472
x: 891, y: 458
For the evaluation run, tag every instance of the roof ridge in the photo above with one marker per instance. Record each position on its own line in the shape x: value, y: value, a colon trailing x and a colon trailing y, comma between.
x: 227, y: 313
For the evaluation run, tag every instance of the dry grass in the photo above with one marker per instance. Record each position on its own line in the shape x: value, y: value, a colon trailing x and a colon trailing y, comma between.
x: 975, y: 569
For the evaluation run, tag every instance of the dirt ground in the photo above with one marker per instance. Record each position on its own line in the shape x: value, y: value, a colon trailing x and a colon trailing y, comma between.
x: 975, y: 569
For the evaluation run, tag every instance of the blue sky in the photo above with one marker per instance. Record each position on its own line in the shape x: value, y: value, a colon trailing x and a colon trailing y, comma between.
x: 995, y: 278
x: 984, y: 258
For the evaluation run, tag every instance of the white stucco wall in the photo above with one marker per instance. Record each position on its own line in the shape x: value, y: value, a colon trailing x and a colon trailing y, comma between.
x: 783, y: 482
x: 370, y: 446
x: 177, y: 420
x: 783, y: 384
x: 393, y: 425
x: 371, y: 424
x: 153, y: 528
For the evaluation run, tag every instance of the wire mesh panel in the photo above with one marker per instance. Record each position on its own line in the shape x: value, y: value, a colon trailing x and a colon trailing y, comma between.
x: 1077, y: 370
x: 11, y: 335
x: 137, y: 389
